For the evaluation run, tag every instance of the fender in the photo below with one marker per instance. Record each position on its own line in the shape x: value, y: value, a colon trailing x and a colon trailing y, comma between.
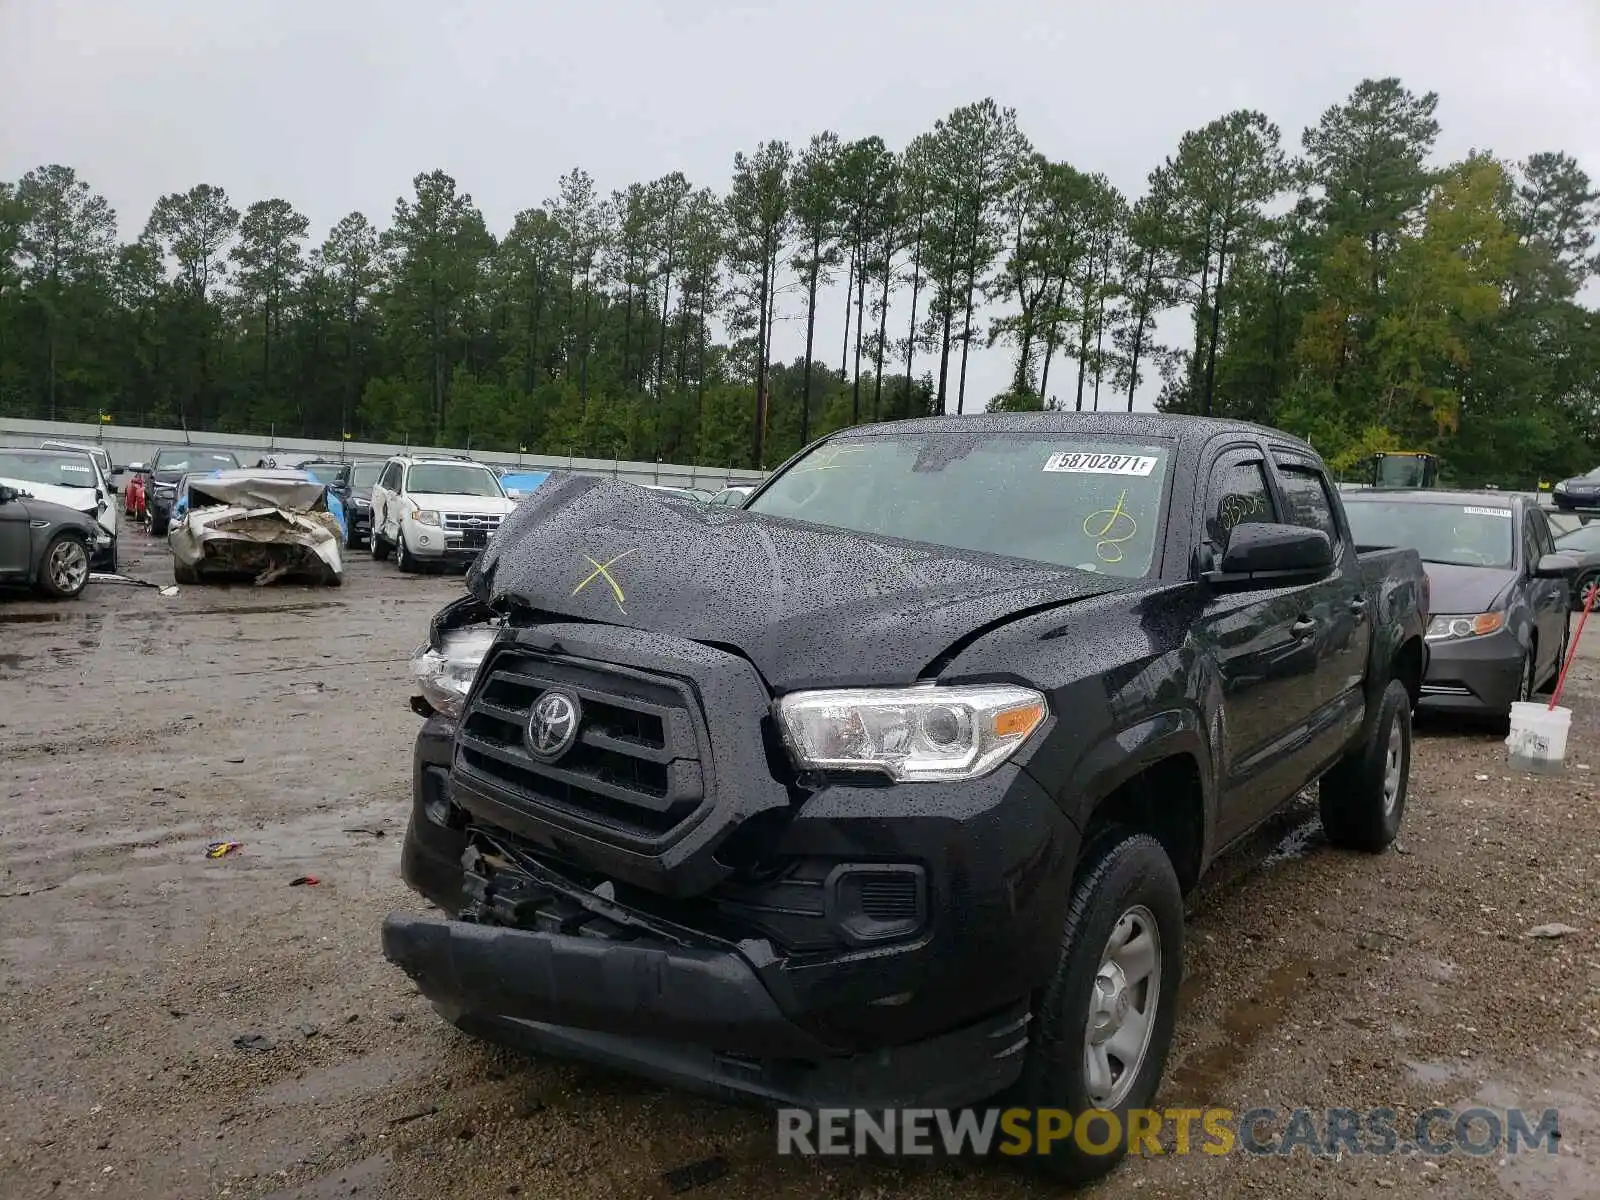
x: 1119, y: 756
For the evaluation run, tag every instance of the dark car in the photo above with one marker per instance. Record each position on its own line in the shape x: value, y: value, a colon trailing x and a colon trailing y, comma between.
x: 1584, y: 545
x: 44, y: 546
x: 170, y: 466
x: 885, y: 788
x: 1500, y: 590
x: 353, y: 485
x: 1579, y: 492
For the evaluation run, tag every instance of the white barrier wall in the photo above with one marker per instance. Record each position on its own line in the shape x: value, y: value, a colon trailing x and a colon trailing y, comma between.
x: 131, y: 443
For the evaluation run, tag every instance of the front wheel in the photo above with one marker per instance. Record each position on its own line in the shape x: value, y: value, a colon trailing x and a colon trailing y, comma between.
x: 1103, y: 1025
x: 1363, y: 797
x: 377, y: 545
x: 65, y: 571
x: 407, y: 561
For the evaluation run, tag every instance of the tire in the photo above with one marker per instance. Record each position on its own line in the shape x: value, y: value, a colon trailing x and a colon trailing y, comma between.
x: 184, y: 573
x: 1363, y: 797
x: 378, y: 545
x: 1125, y: 891
x: 1581, y: 587
x: 64, y: 570
x: 1530, y: 671
x: 158, y: 528
x: 112, y: 564
x: 407, y: 562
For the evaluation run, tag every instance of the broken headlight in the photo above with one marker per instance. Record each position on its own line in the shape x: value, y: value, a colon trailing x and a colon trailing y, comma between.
x: 445, y: 674
x: 913, y: 734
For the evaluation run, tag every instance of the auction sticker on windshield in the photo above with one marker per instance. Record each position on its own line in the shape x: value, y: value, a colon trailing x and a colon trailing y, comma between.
x: 1081, y: 463
x: 1488, y: 512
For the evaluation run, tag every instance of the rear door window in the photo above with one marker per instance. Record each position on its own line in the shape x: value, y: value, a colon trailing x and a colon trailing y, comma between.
x: 1306, y: 499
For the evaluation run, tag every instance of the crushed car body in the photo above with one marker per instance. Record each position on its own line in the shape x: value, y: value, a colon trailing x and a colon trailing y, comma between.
x: 261, y: 524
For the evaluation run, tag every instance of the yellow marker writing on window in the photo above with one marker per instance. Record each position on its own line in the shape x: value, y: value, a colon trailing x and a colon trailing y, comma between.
x: 1116, y: 527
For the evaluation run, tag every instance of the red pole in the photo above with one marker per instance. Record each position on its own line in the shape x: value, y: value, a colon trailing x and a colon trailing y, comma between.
x: 1572, y: 651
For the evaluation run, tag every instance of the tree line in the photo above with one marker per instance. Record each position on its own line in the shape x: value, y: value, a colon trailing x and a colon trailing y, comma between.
x: 1351, y: 290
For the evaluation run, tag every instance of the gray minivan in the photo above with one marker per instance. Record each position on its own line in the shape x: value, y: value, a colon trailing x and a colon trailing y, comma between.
x: 1500, y: 591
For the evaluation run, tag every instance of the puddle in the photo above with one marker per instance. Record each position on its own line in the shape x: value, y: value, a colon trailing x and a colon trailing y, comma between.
x: 1297, y: 843
x: 363, y: 1177
x: 1569, y: 1173
x: 1432, y: 1074
x: 10, y: 662
x: 27, y: 618
x: 1201, y: 1075
x: 357, y: 1077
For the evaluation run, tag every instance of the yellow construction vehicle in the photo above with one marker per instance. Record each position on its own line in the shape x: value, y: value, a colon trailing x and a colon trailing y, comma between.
x: 1404, y: 469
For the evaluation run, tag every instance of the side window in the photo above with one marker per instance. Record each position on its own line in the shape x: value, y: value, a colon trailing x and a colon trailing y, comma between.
x: 1307, y: 499
x: 1238, y: 496
x: 1537, y: 536
x: 391, y: 477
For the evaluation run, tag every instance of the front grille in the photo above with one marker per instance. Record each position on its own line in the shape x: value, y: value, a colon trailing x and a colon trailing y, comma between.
x: 634, y: 772
x: 459, y: 521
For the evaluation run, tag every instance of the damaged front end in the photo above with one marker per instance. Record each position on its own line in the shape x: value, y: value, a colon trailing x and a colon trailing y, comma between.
x: 259, y: 525
x: 444, y: 667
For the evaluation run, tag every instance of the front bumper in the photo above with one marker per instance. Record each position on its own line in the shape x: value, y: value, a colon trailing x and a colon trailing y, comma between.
x: 433, y: 544
x: 938, y: 1018
x: 1474, y: 675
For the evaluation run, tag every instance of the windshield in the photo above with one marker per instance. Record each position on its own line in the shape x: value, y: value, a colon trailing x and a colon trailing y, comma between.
x: 1466, y: 535
x: 52, y: 470
x: 364, y: 475
x: 450, y: 479
x: 323, y: 472
x: 1084, y: 502
x: 194, y: 461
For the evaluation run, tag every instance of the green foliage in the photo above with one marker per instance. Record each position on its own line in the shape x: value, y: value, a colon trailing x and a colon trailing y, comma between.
x: 1361, y: 294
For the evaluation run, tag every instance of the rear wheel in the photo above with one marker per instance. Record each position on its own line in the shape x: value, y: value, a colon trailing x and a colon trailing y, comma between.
x: 1363, y: 797
x: 184, y: 573
x: 65, y: 570
x: 1103, y: 1025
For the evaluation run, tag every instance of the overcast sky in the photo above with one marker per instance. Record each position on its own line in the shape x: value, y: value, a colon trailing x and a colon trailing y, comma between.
x: 335, y: 105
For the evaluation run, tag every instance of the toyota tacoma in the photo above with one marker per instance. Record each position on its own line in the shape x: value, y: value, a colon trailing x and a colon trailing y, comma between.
x: 885, y: 787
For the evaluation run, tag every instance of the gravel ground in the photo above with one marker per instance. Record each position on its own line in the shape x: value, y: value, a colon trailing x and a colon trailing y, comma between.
x: 135, y: 729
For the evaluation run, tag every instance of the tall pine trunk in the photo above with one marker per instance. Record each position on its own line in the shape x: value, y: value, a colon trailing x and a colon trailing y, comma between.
x: 883, y: 334
x: 911, y: 332
x: 1216, y: 324
x: 849, y: 286
x: 861, y: 296
x: 812, y: 281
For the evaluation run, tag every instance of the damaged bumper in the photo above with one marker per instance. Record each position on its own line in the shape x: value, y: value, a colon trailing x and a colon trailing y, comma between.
x: 262, y: 543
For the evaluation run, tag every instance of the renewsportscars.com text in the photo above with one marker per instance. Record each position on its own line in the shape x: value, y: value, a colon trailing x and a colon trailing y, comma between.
x: 1213, y: 1131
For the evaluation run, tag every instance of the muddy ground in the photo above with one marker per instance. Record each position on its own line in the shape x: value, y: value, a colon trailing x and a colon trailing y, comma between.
x: 135, y: 729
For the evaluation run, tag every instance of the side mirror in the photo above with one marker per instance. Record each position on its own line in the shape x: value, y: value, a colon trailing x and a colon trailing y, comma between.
x: 134, y: 468
x: 8, y: 494
x: 1261, y: 554
x: 1556, y: 566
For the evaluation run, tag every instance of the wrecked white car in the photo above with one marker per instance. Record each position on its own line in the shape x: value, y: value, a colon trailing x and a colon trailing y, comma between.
x: 258, y: 524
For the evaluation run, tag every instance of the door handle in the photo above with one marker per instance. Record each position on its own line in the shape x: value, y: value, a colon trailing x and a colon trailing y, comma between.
x: 1303, y: 627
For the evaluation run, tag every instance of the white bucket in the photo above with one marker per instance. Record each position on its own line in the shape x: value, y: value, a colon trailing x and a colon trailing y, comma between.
x: 1538, y: 740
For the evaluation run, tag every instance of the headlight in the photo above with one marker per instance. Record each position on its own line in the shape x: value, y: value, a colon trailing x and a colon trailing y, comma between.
x: 361, y: 504
x: 912, y: 734
x: 445, y: 675
x: 1446, y: 629
x: 425, y: 516
x: 1562, y: 486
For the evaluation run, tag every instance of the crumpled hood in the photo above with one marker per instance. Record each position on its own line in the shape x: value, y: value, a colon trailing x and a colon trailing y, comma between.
x: 1463, y: 591
x: 809, y: 606
x: 256, y: 488
x: 78, y: 499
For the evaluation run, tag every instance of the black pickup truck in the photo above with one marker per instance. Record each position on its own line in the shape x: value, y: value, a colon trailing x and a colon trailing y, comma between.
x: 885, y: 788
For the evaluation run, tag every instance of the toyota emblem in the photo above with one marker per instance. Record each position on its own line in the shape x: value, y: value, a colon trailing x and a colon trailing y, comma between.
x: 553, y: 725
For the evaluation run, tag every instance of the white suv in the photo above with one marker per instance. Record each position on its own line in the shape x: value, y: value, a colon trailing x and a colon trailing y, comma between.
x: 435, y: 510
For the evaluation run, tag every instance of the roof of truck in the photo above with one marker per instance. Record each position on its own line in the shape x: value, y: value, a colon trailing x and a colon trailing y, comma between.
x: 1137, y: 424
x: 1488, y: 499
